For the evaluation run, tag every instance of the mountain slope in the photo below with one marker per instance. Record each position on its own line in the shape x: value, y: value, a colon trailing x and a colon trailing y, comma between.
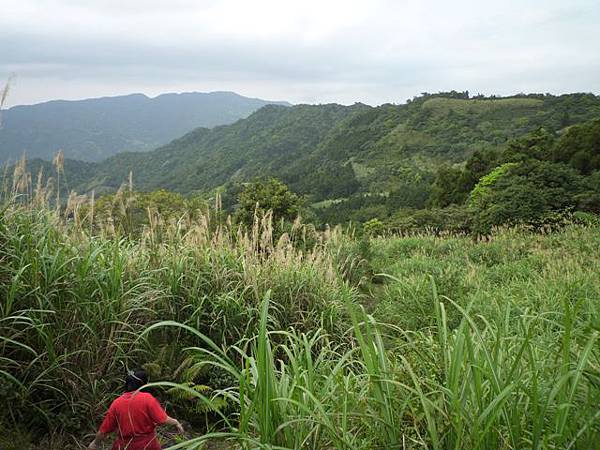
x: 394, y: 144
x: 333, y: 152
x: 94, y: 129
x: 267, y: 142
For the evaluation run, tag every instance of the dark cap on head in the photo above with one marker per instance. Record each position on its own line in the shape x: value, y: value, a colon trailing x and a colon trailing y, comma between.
x: 135, y: 379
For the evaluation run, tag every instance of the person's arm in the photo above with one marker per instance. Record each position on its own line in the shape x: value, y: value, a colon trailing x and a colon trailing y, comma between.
x: 174, y: 422
x: 109, y: 424
x: 99, y: 438
x: 160, y: 416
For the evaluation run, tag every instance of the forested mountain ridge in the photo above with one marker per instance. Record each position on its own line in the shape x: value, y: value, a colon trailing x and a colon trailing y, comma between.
x: 342, y: 158
x: 265, y: 143
x: 94, y: 129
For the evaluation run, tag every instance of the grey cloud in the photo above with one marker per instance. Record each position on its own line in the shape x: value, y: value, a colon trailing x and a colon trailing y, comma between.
x: 505, y: 48
x: 247, y: 60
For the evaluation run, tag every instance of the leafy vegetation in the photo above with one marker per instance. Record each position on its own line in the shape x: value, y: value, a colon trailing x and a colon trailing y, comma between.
x: 420, y: 165
x: 257, y: 198
x: 346, y: 153
x: 380, y: 342
x: 533, y: 180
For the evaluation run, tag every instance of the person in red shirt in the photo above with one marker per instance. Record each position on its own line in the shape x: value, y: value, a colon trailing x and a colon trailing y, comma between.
x: 134, y: 417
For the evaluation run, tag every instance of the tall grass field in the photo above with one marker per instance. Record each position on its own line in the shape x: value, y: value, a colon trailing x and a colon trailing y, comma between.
x: 308, y: 340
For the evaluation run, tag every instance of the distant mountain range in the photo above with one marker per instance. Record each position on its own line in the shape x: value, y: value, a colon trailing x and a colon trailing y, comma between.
x: 95, y: 129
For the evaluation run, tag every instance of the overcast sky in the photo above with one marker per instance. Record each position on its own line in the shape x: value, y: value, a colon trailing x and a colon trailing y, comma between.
x: 309, y: 51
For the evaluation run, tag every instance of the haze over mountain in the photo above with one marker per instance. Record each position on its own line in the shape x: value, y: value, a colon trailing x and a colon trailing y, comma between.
x: 94, y: 129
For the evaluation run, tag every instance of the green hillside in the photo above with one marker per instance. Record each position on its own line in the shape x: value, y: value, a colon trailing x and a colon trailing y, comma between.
x: 304, y: 144
x: 340, y: 157
x: 265, y: 143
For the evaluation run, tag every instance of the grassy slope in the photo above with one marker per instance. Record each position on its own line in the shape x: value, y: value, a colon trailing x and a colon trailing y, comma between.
x: 442, y: 106
x: 520, y: 371
x: 530, y: 272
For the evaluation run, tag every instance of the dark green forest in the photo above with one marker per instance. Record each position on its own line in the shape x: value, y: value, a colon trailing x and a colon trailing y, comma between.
x: 444, y: 161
